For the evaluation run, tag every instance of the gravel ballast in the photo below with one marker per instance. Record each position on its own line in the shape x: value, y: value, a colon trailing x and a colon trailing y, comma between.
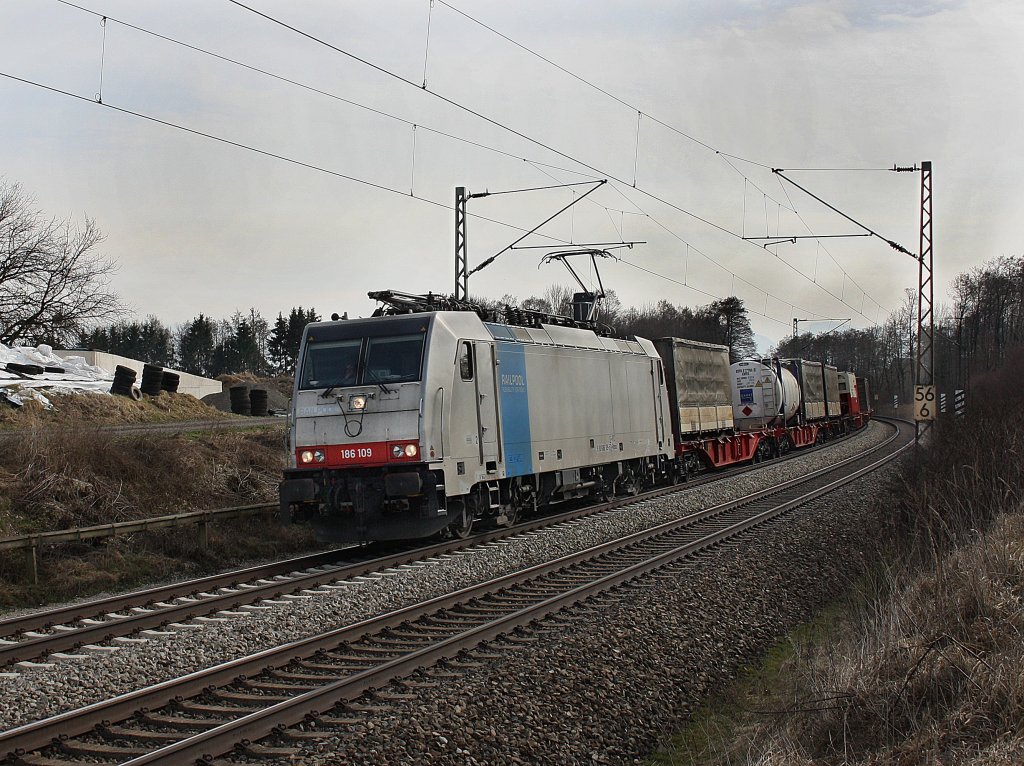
x: 32, y: 694
x: 617, y: 684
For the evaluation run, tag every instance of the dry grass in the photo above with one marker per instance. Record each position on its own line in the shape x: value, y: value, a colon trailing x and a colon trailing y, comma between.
x: 95, y: 409
x: 924, y: 664
x: 57, y: 478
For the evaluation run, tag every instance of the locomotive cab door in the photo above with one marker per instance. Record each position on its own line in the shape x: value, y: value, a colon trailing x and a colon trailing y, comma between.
x: 658, y: 386
x: 487, y: 406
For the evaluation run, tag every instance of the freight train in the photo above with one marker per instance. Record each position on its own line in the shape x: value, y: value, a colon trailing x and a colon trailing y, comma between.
x: 433, y: 415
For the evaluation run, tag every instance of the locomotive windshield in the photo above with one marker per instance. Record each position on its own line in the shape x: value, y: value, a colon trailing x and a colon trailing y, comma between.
x: 362, y: 361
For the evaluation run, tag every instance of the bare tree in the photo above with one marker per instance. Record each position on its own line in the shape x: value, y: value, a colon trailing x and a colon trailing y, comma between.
x: 53, y: 284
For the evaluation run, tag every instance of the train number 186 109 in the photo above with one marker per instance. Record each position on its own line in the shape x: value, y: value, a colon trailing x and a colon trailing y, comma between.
x: 355, y: 454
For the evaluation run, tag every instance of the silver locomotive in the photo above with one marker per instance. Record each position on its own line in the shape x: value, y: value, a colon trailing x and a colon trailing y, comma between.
x: 411, y: 424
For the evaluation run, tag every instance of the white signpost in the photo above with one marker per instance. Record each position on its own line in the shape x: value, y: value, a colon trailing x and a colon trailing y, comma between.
x: 924, y: 403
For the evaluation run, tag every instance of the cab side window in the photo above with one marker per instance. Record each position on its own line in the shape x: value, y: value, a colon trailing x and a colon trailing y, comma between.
x: 466, y: 360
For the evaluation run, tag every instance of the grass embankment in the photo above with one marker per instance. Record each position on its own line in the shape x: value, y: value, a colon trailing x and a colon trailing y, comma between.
x: 924, y: 662
x: 87, y: 409
x: 58, y: 475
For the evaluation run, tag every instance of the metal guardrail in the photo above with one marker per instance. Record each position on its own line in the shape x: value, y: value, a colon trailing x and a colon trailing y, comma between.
x: 201, y: 518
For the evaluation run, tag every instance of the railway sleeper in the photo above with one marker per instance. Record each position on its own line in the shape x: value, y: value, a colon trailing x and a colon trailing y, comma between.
x: 208, y: 708
x: 142, y: 735
x: 246, y: 698
x: 101, y: 750
x: 273, y: 686
x: 181, y: 722
x: 33, y: 759
x: 338, y: 669
x: 408, y: 641
x: 329, y: 721
x: 288, y: 675
x: 422, y: 631
x: 267, y: 751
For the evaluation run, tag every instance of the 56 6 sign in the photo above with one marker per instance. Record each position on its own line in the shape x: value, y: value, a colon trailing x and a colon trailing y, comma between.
x: 924, y: 403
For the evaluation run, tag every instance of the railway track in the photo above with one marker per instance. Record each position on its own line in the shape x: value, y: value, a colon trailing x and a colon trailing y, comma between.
x: 295, y: 689
x: 87, y: 626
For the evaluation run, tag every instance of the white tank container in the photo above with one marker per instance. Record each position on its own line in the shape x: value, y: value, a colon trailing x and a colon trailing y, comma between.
x: 761, y: 396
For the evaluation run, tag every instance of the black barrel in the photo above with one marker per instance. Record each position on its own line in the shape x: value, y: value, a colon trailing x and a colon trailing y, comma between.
x: 25, y: 369
x: 239, y: 399
x: 258, y: 403
x: 152, y: 375
x: 169, y: 382
x: 124, y: 379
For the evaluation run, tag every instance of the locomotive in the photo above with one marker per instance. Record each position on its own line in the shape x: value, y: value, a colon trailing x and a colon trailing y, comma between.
x: 434, y: 414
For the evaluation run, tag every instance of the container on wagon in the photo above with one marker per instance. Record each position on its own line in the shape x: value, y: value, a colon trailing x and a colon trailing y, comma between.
x: 697, y: 377
x: 849, y: 401
x: 812, y: 380
x: 763, y: 394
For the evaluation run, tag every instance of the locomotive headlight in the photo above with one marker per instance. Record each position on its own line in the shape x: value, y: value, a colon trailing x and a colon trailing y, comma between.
x: 410, y: 450
x: 306, y: 456
x: 397, y: 450
x: 357, y: 402
x: 318, y: 456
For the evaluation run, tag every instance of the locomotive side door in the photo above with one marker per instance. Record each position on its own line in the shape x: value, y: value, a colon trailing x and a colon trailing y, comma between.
x: 487, y: 405
x: 658, y: 386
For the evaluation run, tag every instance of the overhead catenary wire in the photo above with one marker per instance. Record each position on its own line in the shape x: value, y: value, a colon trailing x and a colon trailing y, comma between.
x: 497, y: 123
x: 686, y: 259
x: 829, y: 254
x: 487, y: 119
x: 415, y: 126
x: 266, y: 153
x: 313, y: 89
x: 103, y: 57
x: 727, y: 157
x: 893, y: 244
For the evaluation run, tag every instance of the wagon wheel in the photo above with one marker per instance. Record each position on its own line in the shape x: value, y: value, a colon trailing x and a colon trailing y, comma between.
x: 629, y: 483
x: 521, y: 500
x: 510, y: 515
x: 462, y: 526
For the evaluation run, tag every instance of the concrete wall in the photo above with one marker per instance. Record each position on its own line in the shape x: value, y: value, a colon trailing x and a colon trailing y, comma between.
x: 188, y: 384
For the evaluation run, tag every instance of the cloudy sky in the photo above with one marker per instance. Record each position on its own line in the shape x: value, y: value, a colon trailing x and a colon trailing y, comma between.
x: 685, y: 107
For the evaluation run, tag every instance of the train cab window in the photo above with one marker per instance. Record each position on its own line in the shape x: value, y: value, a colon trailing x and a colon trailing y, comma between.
x: 331, y: 364
x: 394, y: 360
x: 466, y: 361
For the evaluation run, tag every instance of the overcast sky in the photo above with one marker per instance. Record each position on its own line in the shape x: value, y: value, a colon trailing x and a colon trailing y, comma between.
x: 728, y: 90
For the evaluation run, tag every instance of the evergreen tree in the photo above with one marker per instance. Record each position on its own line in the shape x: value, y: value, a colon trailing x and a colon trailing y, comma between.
x: 278, y: 346
x: 736, y: 332
x: 196, y: 347
x: 147, y: 341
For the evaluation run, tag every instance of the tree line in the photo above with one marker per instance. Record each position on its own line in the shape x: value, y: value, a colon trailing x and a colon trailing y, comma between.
x: 724, y: 321
x: 973, y: 336
x: 245, y: 342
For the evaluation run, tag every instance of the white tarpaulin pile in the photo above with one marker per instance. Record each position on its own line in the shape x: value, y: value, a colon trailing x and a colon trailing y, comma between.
x: 26, y: 369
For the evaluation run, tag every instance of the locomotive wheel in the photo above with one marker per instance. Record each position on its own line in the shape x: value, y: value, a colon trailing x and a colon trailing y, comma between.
x: 510, y: 515
x: 462, y: 526
x: 629, y: 483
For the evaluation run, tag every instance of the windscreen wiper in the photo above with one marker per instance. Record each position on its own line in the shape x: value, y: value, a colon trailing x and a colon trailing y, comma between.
x: 375, y: 379
x: 327, y: 392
